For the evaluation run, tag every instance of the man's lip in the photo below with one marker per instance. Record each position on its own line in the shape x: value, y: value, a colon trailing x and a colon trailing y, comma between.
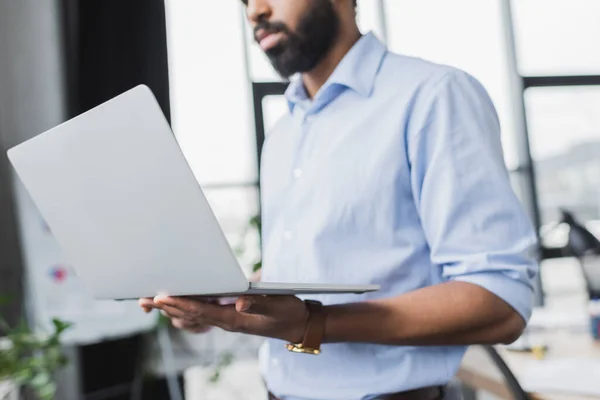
x: 268, y: 40
x: 261, y: 34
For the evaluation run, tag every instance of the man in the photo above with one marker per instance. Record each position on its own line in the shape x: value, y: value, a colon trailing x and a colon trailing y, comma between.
x: 388, y: 170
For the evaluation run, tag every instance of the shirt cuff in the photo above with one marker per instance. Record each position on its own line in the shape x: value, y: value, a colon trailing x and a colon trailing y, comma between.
x: 517, y: 294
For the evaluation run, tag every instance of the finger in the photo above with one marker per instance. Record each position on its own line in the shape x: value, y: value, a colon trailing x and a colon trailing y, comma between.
x: 225, y: 317
x: 186, y: 304
x: 190, y: 326
x: 172, y: 312
x: 145, y: 303
x: 167, y: 315
x: 190, y: 305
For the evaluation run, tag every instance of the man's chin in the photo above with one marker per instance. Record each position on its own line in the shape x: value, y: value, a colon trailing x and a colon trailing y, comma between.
x: 282, y: 67
x: 275, y: 52
x: 283, y: 72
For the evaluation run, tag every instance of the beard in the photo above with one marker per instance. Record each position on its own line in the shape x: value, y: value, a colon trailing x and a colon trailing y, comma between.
x: 303, y: 49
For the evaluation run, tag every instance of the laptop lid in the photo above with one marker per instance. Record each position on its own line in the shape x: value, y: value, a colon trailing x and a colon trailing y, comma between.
x: 123, y: 204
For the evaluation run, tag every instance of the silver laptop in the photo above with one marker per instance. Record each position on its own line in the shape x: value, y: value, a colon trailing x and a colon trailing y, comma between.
x: 124, y: 206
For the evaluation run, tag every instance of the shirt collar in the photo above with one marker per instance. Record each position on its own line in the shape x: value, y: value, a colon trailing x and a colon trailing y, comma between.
x: 357, y: 71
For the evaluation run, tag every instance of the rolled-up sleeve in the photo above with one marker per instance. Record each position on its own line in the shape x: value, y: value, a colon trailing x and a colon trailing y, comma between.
x: 476, y: 228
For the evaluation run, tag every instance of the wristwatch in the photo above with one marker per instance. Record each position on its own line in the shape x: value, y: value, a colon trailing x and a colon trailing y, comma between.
x: 315, y: 330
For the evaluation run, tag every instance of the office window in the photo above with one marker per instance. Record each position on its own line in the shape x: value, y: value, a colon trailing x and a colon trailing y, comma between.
x: 564, y: 132
x: 557, y: 37
x: 210, y: 94
x: 467, y: 34
x: 211, y: 107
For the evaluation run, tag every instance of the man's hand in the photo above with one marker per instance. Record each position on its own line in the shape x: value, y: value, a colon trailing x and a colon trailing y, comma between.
x: 145, y: 304
x: 280, y: 317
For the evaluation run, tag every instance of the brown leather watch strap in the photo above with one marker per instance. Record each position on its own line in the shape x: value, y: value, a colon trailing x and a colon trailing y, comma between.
x: 315, y: 330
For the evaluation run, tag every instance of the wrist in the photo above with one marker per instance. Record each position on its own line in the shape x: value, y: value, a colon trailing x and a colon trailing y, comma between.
x: 314, y: 330
x: 296, y: 334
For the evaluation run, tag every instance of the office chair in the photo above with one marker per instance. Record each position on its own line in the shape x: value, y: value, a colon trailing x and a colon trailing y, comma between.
x: 511, y: 381
x: 585, y: 247
x: 581, y: 241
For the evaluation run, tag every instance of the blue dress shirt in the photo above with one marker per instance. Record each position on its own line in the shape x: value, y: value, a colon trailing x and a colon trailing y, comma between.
x: 392, y: 175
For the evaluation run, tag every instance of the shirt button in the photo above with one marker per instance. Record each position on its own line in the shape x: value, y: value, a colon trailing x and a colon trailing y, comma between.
x: 298, y: 173
x: 274, y: 362
x: 287, y: 235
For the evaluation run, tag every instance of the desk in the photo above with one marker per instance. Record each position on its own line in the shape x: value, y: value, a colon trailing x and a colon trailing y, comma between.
x: 480, y: 373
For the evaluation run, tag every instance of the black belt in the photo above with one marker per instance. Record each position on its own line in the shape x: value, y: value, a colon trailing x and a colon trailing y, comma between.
x: 428, y: 393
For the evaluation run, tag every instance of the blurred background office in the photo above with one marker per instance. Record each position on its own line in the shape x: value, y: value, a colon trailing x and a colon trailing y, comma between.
x: 538, y: 59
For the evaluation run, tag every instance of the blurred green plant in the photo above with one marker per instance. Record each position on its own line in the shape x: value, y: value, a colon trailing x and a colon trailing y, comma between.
x: 225, y: 360
x: 30, y: 359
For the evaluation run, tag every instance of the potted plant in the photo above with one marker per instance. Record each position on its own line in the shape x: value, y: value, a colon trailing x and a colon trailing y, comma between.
x: 29, y: 359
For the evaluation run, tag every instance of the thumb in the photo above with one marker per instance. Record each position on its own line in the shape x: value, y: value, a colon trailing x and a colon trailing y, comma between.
x: 253, y: 305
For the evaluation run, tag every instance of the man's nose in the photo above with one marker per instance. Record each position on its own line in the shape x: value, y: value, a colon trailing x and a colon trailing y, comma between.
x: 258, y: 10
